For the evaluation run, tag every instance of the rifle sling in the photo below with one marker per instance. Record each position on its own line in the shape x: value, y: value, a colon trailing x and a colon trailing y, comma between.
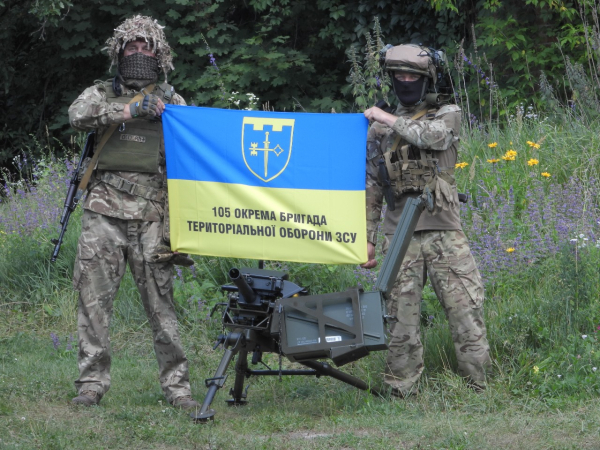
x: 90, y: 168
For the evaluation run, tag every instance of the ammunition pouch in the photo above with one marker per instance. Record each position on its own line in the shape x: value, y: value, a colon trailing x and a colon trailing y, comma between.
x: 410, y: 175
x: 123, y: 185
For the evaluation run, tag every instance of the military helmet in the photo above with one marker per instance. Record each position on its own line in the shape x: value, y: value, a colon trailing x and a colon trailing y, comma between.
x: 140, y: 27
x: 411, y: 58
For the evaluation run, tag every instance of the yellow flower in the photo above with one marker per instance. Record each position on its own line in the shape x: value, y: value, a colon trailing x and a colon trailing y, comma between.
x: 510, y: 250
x: 493, y: 161
x: 509, y: 155
x: 461, y: 165
x: 545, y: 174
x: 493, y: 145
x: 533, y: 162
x: 536, y: 369
x: 533, y: 144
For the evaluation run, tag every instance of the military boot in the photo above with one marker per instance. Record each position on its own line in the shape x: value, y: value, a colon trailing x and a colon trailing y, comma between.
x: 87, y: 398
x: 185, y: 402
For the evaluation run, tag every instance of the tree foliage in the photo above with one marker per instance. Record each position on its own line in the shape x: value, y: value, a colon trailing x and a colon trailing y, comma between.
x: 292, y: 54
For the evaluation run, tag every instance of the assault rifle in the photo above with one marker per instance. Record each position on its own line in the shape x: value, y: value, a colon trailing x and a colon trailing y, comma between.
x: 265, y: 312
x: 74, y: 194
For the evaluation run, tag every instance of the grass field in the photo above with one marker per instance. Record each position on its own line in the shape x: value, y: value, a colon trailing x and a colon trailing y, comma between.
x: 533, y: 220
x: 295, y: 413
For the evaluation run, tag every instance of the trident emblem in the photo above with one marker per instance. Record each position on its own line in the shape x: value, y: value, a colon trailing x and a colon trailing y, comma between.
x: 278, y: 137
x: 266, y: 150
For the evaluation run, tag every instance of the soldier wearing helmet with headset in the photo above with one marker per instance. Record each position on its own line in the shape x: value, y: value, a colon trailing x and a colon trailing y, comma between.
x: 125, y: 212
x: 417, y: 149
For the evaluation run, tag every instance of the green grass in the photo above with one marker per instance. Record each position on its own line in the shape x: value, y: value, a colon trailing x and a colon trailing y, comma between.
x: 298, y: 412
x: 544, y: 387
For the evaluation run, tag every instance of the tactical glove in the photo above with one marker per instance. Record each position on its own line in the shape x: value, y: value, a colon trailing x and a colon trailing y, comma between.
x: 163, y: 254
x: 146, y: 108
x: 444, y: 196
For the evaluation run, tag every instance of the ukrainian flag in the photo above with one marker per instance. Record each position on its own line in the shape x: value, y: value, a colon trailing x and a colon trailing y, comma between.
x: 267, y: 185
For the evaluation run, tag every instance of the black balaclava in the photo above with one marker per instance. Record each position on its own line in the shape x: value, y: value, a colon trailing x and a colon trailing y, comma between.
x: 138, y: 70
x: 410, y: 93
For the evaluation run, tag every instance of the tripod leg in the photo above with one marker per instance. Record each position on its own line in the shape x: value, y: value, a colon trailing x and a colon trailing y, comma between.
x: 326, y: 369
x: 241, y: 371
x: 214, y: 384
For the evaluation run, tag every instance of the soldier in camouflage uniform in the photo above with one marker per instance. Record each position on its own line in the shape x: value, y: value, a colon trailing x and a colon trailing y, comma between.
x: 124, y: 219
x: 419, y: 139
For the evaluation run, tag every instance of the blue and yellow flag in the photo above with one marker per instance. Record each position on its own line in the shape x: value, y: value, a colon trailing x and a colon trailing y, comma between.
x: 267, y: 185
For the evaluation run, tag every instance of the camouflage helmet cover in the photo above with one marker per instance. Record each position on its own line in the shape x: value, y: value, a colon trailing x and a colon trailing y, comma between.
x: 140, y: 27
x: 410, y: 58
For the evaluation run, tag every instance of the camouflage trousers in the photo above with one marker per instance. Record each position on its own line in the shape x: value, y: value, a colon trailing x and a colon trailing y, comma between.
x: 105, y: 247
x: 447, y: 258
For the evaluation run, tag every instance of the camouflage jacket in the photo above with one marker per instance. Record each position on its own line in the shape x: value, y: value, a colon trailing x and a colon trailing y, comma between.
x: 91, y: 111
x: 438, y: 131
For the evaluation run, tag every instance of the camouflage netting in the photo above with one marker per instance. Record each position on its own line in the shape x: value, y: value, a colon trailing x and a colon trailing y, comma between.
x: 141, y: 27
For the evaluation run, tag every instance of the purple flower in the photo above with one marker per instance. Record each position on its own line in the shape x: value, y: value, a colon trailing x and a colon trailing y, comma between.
x: 55, y: 341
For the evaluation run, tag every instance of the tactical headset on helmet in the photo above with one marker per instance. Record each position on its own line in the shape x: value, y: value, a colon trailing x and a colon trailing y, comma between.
x: 421, y: 60
x: 140, y: 27
x: 410, y: 58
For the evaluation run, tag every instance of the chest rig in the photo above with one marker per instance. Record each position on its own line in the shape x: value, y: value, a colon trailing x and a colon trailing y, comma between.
x: 407, y: 167
x: 136, y: 146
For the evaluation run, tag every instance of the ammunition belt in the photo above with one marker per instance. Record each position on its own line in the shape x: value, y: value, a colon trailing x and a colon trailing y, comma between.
x: 121, y: 184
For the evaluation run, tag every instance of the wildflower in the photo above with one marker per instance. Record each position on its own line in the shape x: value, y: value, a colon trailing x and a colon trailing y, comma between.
x: 545, y: 174
x: 493, y: 145
x: 70, y: 343
x: 533, y: 144
x: 594, y: 369
x: 493, y: 161
x: 461, y: 165
x: 533, y: 162
x: 536, y: 369
x: 509, y: 155
x: 559, y: 376
x: 510, y: 250
x: 55, y: 341
x: 583, y: 336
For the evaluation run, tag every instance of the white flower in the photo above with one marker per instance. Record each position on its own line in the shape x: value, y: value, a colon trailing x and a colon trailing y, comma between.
x: 22, y: 418
x: 584, y: 336
x: 559, y: 376
x: 573, y: 240
x: 594, y: 369
x: 582, y: 235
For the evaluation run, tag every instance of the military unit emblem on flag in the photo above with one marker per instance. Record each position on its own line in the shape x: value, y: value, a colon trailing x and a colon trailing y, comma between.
x: 267, y: 145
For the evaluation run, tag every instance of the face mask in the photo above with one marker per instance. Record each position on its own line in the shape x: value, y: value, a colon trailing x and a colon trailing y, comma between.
x: 139, y: 67
x: 409, y: 92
